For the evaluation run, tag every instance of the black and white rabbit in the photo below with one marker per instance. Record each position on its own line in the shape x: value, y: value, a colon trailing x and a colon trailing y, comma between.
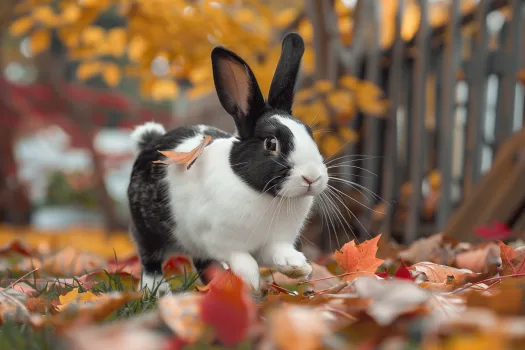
x: 246, y: 198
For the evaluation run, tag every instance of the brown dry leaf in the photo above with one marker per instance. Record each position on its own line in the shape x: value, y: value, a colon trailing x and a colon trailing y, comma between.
x: 12, y: 306
x: 297, y: 327
x: 88, y: 311
x: 42, y: 305
x: 506, y: 298
x: 137, y: 333
x: 442, y: 273
x: 15, y: 246
x: 480, y: 259
x: 437, y: 248
x: 390, y: 298
x: 513, y: 260
x: 182, y: 315
x: 186, y: 158
x: 67, y: 262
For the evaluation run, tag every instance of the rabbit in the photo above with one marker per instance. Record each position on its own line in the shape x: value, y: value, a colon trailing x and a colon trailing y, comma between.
x: 247, y: 196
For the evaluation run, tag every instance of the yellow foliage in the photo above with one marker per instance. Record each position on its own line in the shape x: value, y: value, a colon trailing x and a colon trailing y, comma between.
x: 40, y: 41
x: 75, y: 297
x: 70, y: 14
x: 284, y: 18
x: 331, y: 144
x: 164, y: 89
x: 116, y: 40
x: 88, y: 69
x: 45, y: 15
x: 93, y: 35
x: 21, y: 25
x: 323, y: 86
x: 111, y: 74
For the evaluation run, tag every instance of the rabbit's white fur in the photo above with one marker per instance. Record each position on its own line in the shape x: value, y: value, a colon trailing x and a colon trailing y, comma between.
x: 219, y: 216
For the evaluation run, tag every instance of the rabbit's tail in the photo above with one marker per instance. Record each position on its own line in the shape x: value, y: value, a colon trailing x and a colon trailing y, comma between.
x: 144, y: 134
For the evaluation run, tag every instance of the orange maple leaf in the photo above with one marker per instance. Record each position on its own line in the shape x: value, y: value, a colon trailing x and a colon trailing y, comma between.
x: 187, y: 158
x: 358, y: 260
x: 513, y: 261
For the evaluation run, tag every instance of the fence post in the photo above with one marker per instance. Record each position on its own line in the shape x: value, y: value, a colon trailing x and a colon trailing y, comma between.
x: 477, y: 75
x: 391, y: 174
x: 448, y: 88
x: 418, y: 124
x: 505, y: 115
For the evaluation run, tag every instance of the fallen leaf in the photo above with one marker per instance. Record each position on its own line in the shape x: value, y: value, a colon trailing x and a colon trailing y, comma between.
x: 15, y: 246
x: 479, y: 259
x: 358, y: 260
x: 12, y: 306
x: 92, y: 309
x: 297, y: 327
x: 438, y: 248
x: 498, y: 231
x: 42, y: 305
x: 187, y: 158
x: 390, y: 298
x: 177, y: 265
x: 512, y: 260
x: 67, y: 262
x: 182, y: 315
x: 228, y: 308
x: 75, y: 297
x: 443, y: 273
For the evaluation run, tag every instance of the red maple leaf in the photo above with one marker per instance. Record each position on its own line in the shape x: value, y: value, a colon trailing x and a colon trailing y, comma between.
x: 228, y: 308
x: 498, y: 231
x: 402, y: 272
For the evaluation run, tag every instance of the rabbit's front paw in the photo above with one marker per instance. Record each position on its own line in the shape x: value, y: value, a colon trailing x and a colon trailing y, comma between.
x: 291, y: 263
x: 156, y: 283
x: 245, y: 266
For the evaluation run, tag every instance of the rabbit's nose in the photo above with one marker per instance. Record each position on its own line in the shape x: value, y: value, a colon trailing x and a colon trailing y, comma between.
x: 309, y: 180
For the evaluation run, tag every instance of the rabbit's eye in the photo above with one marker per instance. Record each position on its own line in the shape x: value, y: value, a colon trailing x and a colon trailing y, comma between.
x: 271, y: 144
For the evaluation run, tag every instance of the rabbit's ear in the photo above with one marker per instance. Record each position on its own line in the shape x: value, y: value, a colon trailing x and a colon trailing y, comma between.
x: 283, y: 83
x: 237, y: 90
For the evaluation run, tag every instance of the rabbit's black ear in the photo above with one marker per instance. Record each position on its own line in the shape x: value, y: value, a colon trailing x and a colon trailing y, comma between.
x: 237, y: 89
x: 283, y: 82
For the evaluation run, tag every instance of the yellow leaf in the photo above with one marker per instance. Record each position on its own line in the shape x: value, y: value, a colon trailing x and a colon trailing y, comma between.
x: 340, y: 100
x: 285, y: 17
x: 305, y: 94
x: 348, y: 134
x: 323, y: 86
x: 369, y: 89
x: 245, y: 16
x: 349, y: 82
x: 331, y: 145
x: 21, y: 26
x: 200, y: 91
x: 68, y: 37
x: 411, y: 19
x: 308, y: 61
x: 93, y: 35
x: 164, y: 89
x: 45, y: 15
x: 70, y: 14
x: 200, y: 74
x: 306, y: 30
x: 111, y: 74
x: 137, y: 47
x: 40, y: 41
x: 75, y: 297
x: 117, y: 41
x: 88, y: 69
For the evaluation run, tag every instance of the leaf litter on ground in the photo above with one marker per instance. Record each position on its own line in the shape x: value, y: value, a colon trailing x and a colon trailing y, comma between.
x: 437, y: 287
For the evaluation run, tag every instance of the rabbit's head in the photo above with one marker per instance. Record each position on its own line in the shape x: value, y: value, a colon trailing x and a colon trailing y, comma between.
x: 275, y: 153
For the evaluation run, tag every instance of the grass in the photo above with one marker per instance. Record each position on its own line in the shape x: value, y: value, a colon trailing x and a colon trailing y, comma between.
x: 21, y: 337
